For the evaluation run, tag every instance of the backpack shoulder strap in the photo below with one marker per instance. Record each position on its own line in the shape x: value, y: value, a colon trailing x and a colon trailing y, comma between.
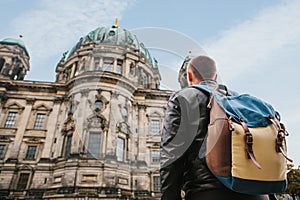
x: 221, y: 89
x: 203, y: 88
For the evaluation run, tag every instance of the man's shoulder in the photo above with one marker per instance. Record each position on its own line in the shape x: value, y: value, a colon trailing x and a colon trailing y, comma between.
x: 188, y: 93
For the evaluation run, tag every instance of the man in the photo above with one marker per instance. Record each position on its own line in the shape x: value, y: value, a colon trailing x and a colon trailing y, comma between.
x: 184, y: 130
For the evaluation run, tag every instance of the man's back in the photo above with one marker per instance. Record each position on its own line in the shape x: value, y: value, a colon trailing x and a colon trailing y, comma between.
x: 185, y: 128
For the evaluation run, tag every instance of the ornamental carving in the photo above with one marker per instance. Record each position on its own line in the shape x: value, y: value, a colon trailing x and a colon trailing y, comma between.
x: 97, y: 121
x: 123, y: 127
x: 69, y: 125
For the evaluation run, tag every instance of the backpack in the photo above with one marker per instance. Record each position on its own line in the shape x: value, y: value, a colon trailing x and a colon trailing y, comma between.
x: 245, y: 147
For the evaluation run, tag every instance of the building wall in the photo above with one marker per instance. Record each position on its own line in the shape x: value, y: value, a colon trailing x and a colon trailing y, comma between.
x: 42, y: 161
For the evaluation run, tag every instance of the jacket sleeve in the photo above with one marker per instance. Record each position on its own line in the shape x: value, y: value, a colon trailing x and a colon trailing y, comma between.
x: 171, y: 170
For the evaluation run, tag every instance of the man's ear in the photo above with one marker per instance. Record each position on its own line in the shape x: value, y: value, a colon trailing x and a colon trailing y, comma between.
x: 216, y: 77
x: 189, y: 76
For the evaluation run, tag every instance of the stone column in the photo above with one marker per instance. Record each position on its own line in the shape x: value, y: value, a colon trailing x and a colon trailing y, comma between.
x: 91, y: 63
x: 73, y: 70
x: 80, y: 117
x: 141, y: 132
x: 101, y: 63
x: 51, y: 128
x: 57, y: 147
x: 111, y: 140
x: 115, y: 65
x: 127, y: 68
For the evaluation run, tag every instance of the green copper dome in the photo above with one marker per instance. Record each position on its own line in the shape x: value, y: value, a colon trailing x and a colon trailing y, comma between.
x: 18, y: 42
x: 116, y: 36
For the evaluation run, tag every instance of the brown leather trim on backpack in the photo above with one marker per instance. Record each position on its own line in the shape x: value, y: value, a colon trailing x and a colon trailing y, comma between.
x: 249, y: 144
x: 280, y: 140
x: 218, y: 141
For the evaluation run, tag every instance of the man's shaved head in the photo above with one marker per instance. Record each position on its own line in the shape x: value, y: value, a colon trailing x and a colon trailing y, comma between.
x: 203, y: 68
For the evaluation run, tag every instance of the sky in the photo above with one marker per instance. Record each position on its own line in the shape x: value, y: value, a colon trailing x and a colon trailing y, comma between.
x: 255, y: 43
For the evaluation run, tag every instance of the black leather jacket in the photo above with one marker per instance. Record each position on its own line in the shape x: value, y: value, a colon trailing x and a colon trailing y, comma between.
x: 184, y: 130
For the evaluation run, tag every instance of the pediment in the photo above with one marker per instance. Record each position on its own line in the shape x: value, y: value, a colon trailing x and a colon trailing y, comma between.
x: 155, y: 114
x: 14, y: 106
x: 25, y: 167
x: 42, y: 107
x: 97, y: 121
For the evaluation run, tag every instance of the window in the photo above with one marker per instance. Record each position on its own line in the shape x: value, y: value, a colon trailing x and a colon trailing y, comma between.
x: 68, y: 146
x: 119, y: 69
x: 155, y: 156
x: 23, y: 180
x: 155, y: 127
x: 98, y: 105
x: 97, y: 64
x: 120, y: 149
x: 156, y: 183
x: 144, y: 79
x: 71, y: 107
x: 94, y: 145
x: 39, y: 121
x: 132, y: 69
x: 11, y: 119
x: 2, y: 150
x: 108, y: 67
x: 30, y: 155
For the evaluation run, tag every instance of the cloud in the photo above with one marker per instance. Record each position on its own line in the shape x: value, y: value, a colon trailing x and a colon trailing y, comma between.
x: 261, y: 55
x: 56, y: 26
x: 256, y: 41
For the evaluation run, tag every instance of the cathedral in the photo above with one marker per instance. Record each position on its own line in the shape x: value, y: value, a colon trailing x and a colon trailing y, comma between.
x: 93, y: 133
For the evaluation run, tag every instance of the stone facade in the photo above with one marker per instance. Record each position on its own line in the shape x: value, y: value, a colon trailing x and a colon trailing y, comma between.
x: 94, y: 133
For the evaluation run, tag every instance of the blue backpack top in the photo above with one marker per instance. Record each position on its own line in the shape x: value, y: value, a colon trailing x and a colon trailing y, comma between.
x: 254, y: 111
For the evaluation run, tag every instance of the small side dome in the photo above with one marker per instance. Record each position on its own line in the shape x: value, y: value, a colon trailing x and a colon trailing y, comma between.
x: 18, y: 42
x: 14, y: 59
